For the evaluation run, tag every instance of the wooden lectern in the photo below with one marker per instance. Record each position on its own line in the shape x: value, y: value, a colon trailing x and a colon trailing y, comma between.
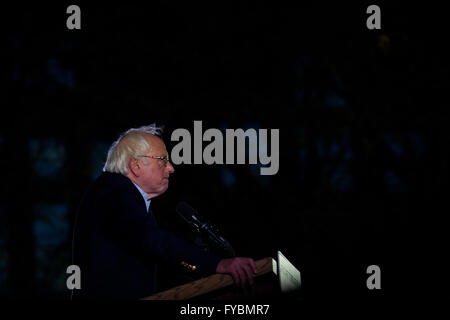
x: 268, y: 282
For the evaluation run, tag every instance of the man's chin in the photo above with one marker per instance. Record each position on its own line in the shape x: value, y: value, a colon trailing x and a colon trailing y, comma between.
x: 164, y: 188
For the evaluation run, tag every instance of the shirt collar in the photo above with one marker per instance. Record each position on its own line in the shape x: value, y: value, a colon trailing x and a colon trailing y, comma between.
x: 144, y: 195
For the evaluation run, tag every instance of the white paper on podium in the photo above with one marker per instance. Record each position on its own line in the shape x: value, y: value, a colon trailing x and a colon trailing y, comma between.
x: 290, y: 278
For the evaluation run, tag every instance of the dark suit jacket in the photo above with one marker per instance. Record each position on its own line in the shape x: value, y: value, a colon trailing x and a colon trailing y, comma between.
x: 116, y: 244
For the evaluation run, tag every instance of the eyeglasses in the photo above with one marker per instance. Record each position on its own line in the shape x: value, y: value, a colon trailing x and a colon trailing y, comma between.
x: 165, y: 160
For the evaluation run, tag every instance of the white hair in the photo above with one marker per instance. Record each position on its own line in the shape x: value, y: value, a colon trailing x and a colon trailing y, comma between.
x: 130, y: 144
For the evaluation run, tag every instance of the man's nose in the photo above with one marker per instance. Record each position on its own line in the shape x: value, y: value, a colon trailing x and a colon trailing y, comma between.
x: 170, y: 168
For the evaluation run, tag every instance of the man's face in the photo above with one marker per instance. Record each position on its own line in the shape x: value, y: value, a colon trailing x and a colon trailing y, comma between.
x: 154, y: 173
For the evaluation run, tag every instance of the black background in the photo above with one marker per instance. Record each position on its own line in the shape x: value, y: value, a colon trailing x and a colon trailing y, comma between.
x: 245, y: 65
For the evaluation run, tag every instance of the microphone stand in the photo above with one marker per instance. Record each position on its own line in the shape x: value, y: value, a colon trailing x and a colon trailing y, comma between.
x: 211, y: 232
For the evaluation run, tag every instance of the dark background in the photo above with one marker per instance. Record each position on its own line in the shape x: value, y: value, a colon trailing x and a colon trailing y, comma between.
x: 363, y: 133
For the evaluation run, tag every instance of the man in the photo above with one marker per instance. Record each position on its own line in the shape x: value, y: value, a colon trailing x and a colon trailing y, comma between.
x: 116, y: 241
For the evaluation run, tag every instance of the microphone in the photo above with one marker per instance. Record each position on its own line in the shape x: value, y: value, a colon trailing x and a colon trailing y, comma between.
x: 192, y: 217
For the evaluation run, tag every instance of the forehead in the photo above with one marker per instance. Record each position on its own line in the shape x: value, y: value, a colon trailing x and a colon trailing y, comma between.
x: 157, y: 146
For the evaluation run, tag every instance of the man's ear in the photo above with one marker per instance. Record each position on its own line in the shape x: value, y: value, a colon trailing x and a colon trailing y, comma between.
x: 135, y: 167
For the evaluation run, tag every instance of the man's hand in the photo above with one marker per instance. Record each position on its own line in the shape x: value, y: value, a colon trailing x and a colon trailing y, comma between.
x: 241, y: 269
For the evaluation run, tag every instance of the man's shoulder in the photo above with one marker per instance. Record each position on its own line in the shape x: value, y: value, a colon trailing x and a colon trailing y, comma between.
x: 113, y: 179
x: 110, y: 190
x: 113, y: 183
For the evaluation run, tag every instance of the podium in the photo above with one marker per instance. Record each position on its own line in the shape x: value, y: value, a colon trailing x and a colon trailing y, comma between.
x: 274, y: 278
